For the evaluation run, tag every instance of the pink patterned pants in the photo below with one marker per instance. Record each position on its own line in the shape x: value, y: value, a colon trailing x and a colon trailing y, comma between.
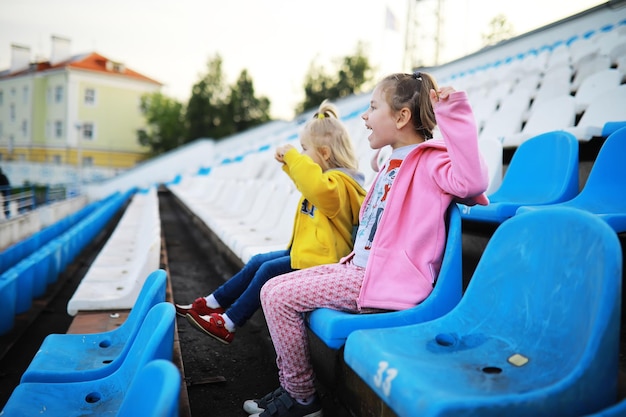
x: 285, y: 300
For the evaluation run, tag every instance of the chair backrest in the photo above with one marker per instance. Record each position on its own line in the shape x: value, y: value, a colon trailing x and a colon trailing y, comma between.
x: 152, y: 293
x: 550, y: 280
x: 333, y: 327
x: 607, y: 178
x: 543, y: 170
x: 154, y: 392
x: 155, y: 340
x: 608, y: 107
x: 491, y: 150
x: 509, y: 116
x: 596, y: 85
x: 555, y: 113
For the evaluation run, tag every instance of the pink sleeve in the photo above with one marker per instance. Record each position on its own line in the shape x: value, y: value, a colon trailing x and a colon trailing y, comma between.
x: 463, y: 173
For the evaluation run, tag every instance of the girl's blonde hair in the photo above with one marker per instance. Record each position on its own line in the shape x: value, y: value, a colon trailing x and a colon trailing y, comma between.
x: 412, y: 91
x: 325, y: 129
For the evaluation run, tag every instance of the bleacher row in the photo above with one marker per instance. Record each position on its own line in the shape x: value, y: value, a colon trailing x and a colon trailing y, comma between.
x: 28, y: 267
x: 573, y: 84
x: 483, y: 352
x: 94, y: 373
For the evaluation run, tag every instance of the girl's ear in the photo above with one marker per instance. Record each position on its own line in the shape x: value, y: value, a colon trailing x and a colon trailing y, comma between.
x: 403, y: 117
x: 324, y: 152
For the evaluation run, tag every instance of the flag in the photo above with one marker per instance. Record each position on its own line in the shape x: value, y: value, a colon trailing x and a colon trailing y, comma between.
x: 391, y: 23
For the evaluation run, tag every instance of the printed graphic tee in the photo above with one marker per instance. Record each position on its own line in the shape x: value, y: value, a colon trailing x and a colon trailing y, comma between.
x: 376, y: 205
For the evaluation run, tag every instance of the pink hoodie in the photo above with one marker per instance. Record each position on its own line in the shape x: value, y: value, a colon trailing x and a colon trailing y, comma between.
x: 407, y: 249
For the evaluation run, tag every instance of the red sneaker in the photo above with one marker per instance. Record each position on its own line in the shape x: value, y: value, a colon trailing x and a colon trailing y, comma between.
x: 199, y: 306
x: 212, y: 325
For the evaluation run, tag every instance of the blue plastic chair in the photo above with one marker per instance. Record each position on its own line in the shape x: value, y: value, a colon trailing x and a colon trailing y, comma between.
x: 103, y: 396
x: 616, y: 410
x: 333, y: 327
x: 83, y: 357
x: 535, y: 334
x: 154, y: 392
x: 8, y: 298
x: 604, y: 193
x: 543, y: 170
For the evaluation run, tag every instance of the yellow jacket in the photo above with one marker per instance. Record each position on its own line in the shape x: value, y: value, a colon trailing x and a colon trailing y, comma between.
x: 327, y: 212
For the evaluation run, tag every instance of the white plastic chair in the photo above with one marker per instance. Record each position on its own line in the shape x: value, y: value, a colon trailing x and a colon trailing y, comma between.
x: 509, y: 117
x: 491, y: 150
x: 589, y: 67
x: 557, y: 113
x: 596, y: 85
x: 608, y: 107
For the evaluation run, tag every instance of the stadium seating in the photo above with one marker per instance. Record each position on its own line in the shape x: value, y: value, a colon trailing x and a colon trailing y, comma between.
x: 604, y: 193
x: 82, y: 357
x: 536, y: 333
x: 333, y: 327
x: 132, y: 252
x: 105, y: 395
x: 34, y: 269
x: 543, y: 170
x: 154, y: 392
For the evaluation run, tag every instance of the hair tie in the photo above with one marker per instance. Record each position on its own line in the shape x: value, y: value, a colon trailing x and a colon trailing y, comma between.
x: 320, y: 115
x: 417, y: 75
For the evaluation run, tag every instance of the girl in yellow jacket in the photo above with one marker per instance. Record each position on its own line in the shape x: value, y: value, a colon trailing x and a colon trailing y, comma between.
x: 325, y: 172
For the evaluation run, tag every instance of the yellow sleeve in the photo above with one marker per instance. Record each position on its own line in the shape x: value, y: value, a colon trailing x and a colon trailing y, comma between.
x: 324, y: 191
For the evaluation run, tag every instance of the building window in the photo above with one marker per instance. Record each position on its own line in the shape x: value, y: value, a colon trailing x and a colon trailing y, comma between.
x: 88, y: 131
x: 1, y: 97
x: 25, y: 94
x: 58, y: 94
x: 56, y: 159
x: 12, y: 112
x: 88, y: 161
x: 58, y: 129
x: 90, y: 97
x: 1, y: 131
x: 25, y: 128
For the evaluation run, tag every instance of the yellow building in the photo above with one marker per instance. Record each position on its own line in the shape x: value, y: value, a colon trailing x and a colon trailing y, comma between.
x: 71, y: 108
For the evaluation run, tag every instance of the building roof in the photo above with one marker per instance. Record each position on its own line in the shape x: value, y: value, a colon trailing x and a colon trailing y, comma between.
x: 92, y: 61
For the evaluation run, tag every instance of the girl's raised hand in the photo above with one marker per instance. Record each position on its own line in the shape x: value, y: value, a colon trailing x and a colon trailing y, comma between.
x: 440, y: 95
x: 280, y: 152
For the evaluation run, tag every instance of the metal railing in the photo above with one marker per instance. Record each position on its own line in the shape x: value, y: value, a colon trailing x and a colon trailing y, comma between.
x: 18, y: 200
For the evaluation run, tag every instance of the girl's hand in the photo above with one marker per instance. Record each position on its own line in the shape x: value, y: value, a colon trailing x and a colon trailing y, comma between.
x: 440, y: 95
x: 281, y: 151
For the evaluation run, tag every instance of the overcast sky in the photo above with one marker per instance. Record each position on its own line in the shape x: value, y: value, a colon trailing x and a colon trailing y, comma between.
x: 275, y: 40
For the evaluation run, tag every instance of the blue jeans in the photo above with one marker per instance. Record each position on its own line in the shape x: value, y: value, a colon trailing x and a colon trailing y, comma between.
x: 241, y: 294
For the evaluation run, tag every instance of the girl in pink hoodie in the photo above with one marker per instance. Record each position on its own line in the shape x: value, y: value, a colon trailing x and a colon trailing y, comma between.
x: 400, y: 241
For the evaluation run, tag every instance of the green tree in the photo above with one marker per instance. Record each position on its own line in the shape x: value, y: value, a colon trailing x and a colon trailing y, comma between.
x: 165, y: 128
x: 207, y: 110
x: 500, y: 29
x: 353, y: 73
x: 245, y: 109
